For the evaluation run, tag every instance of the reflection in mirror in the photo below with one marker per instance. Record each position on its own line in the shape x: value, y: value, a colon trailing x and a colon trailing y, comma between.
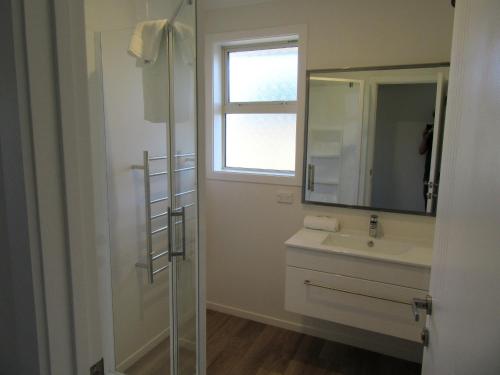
x: 373, y: 137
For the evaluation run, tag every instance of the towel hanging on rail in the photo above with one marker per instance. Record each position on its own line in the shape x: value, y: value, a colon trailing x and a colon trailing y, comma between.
x: 146, y: 41
x: 185, y: 36
x: 155, y: 87
x: 148, y: 46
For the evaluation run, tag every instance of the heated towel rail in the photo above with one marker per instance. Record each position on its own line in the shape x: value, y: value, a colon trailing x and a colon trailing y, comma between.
x: 151, y: 255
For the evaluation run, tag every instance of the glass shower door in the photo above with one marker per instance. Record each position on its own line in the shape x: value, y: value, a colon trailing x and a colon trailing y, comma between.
x: 145, y: 130
x: 182, y: 141
x: 132, y: 161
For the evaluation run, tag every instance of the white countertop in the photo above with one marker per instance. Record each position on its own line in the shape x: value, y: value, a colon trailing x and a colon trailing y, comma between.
x: 419, y: 254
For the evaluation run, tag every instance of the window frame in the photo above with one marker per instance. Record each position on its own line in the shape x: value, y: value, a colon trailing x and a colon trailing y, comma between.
x: 210, y: 82
x: 260, y: 107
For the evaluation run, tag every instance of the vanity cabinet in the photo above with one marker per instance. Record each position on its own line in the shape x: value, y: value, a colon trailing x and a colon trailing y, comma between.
x: 370, y: 294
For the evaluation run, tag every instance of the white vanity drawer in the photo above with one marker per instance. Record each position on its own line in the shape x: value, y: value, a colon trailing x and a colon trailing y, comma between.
x: 392, y: 273
x: 357, y: 302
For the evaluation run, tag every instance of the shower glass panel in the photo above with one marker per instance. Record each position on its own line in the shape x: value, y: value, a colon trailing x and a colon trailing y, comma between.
x: 140, y: 309
x: 183, y: 143
x: 145, y: 150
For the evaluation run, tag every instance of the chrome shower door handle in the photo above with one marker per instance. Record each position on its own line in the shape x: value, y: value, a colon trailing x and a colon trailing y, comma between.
x: 182, y: 215
x: 169, y: 237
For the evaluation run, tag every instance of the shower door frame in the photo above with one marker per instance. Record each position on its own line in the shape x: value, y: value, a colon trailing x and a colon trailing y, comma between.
x: 87, y: 281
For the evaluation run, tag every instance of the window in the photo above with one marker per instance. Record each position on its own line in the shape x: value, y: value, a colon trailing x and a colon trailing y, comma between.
x: 259, y: 113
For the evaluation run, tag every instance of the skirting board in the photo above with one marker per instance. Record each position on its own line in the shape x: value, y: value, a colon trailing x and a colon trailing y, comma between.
x: 142, y: 351
x: 368, y: 341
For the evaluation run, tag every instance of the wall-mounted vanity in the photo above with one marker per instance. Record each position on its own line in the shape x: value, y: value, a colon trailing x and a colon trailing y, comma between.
x: 373, y: 141
x: 353, y: 279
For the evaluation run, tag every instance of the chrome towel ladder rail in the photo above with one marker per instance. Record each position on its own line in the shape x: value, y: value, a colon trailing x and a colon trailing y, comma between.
x: 151, y: 256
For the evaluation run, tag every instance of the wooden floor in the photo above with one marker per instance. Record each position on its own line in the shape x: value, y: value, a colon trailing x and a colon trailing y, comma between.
x: 238, y: 346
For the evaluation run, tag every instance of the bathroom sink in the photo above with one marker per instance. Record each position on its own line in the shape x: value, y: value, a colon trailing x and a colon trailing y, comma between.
x: 367, y: 244
x: 411, y: 251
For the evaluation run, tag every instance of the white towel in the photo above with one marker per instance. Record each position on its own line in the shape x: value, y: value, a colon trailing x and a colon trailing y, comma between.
x: 155, y: 88
x: 325, y: 223
x: 185, y: 37
x: 146, y: 40
x: 148, y: 46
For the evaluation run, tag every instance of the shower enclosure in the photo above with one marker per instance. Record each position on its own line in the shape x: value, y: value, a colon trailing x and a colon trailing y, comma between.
x: 144, y: 129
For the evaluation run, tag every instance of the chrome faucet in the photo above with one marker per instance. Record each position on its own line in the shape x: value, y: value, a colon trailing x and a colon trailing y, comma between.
x: 373, y: 228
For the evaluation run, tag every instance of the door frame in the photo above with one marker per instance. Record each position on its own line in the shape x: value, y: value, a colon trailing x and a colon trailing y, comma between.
x: 371, y: 124
x: 88, y: 316
x: 69, y: 331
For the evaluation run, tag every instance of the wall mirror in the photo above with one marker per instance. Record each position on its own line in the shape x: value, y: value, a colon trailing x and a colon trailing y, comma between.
x: 373, y: 137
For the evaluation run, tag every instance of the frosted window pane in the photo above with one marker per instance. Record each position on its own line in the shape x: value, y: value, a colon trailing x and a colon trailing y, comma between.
x: 261, y: 141
x: 263, y: 75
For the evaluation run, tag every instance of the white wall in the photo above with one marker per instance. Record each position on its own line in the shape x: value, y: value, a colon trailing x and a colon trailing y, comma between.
x: 245, y: 226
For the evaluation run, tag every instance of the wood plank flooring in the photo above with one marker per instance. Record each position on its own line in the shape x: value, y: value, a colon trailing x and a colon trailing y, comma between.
x: 157, y: 361
x: 237, y: 346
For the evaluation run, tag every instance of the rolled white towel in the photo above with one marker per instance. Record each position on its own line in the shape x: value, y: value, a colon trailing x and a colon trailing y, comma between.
x: 326, y: 223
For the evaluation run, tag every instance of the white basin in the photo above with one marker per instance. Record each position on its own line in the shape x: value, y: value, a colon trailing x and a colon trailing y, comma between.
x: 417, y: 252
x: 366, y: 243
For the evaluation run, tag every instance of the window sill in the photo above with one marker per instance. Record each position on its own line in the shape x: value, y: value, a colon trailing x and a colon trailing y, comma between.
x: 268, y: 178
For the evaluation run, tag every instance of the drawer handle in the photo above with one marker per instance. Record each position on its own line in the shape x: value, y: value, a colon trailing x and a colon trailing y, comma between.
x: 322, y: 286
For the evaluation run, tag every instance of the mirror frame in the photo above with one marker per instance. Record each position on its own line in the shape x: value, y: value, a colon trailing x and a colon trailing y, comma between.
x: 306, y: 133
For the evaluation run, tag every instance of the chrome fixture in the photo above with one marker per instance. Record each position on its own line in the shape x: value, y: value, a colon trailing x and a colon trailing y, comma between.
x: 421, y: 303
x: 151, y: 255
x: 373, y: 228
x: 310, y: 177
x: 424, y: 336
